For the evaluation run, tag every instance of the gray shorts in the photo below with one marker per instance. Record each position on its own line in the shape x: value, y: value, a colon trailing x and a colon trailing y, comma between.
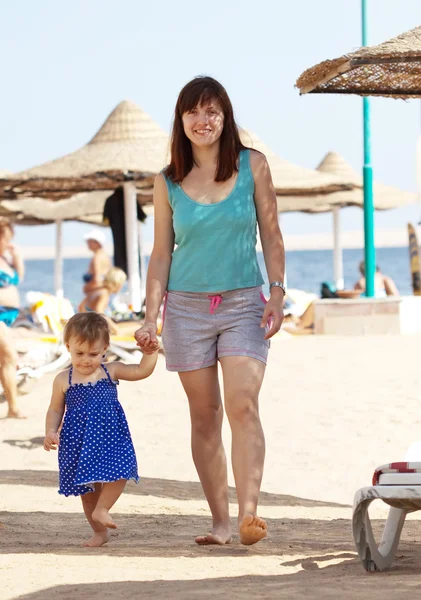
x: 199, y: 328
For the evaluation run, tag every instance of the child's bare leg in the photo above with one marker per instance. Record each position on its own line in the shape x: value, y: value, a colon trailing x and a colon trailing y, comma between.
x: 110, y: 493
x: 89, y: 502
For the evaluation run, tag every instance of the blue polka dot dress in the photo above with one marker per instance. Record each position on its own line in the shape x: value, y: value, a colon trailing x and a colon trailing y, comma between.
x: 95, y: 442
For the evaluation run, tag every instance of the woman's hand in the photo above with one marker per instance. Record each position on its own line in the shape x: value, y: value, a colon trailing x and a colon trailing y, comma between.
x: 273, y: 315
x: 146, y: 338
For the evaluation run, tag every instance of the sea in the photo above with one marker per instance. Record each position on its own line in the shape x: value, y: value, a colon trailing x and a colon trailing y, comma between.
x: 306, y: 270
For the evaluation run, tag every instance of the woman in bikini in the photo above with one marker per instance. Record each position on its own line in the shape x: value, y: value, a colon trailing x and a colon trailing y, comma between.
x: 11, y: 273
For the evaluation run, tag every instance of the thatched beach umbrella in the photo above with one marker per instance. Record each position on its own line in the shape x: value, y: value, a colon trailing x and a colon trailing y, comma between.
x: 129, y: 147
x: 84, y: 207
x: 391, y: 69
x: 293, y: 180
x: 385, y: 198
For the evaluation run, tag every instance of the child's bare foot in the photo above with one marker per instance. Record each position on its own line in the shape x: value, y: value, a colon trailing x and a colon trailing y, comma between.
x: 15, y: 414
x: 221, y: 534
x: 102, y: 516
x: 98, y: 539
x: 252, y: 530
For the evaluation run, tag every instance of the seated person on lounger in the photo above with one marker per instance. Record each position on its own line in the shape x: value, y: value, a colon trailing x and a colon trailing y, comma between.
x: 98, y: 298
x: 383, y: 285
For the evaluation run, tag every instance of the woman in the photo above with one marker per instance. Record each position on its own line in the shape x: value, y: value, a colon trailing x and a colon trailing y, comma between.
x: 11, y: 273
x: 206, y: 202
x: 383, y: 285
x: 100, y: 263
x: 98, y: 298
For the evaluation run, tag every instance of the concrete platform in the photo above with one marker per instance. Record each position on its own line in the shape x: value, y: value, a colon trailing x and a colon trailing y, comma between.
x: 368, y: 316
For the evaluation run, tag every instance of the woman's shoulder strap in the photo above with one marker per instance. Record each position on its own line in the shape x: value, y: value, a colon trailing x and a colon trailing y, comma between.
x: 244, y: 162
x: 171, y: 187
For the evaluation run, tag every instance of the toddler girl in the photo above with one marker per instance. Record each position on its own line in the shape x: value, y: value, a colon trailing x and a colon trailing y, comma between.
x: 95, y: 450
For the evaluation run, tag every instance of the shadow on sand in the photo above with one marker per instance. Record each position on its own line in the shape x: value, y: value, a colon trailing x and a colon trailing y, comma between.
x: 161, y: 488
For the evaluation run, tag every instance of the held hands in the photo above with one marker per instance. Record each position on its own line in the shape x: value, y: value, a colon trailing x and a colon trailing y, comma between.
x: 147, y: 339
x: 51, y: 441
x: 273, y: 315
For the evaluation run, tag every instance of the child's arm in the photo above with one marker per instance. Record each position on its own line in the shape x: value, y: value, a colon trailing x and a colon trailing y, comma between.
x: 145, y: 368
x: 55, y: 413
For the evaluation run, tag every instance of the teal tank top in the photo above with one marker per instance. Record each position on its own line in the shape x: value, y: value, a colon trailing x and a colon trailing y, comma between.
x: 215, y: 243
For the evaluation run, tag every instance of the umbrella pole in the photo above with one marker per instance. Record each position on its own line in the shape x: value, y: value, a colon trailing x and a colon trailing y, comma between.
x: 132, y: 245
x: 338, y: 267
x: 58, y: 263
x: 369, y: 249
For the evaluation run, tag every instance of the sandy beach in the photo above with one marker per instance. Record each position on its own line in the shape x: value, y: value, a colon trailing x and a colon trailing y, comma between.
x: 333, y: 409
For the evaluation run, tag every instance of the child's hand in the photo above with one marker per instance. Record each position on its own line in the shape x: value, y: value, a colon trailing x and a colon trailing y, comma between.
x: 51, y: 441
x: 152, y: 348
x: 146, y: 338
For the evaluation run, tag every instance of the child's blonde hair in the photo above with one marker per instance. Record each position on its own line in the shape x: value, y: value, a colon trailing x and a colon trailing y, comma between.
x: 88, y: 327
x: 115, y: 277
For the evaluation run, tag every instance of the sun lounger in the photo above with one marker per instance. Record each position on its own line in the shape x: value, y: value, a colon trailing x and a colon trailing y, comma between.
x: 51, y: 314
x: 399, y: 486
x: 58, y: 359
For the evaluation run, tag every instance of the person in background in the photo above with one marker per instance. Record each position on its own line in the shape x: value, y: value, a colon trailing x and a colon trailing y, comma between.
x: 100, y: 263
x: 11, y: 274
x: 114, y: 217
x: 383, y: 285
x: 98, y: 298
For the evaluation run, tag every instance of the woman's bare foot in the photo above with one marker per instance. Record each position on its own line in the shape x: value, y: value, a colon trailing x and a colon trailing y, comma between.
x: 102, y: 516
x: 98, y: 539
x: 15, y: 414
x: 252, y: 530
x: 221, y: 534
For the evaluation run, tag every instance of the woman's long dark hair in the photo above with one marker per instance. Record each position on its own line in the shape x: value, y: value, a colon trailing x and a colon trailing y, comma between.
x: 198, y: 92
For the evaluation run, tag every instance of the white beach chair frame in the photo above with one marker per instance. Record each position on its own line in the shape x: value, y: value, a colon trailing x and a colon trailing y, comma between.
x: 402, y: 492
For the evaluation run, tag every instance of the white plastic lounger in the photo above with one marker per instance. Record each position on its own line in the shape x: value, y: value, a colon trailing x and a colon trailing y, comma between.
x: 399, y: 486
x: 62, y: 361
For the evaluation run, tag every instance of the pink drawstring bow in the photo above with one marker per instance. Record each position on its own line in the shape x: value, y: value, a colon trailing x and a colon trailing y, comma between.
x: 215, y: 301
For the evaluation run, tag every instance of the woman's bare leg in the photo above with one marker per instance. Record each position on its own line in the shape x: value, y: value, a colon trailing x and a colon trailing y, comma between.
x: 8, y: 362
x: 206, y: 413
x: 243, y: 378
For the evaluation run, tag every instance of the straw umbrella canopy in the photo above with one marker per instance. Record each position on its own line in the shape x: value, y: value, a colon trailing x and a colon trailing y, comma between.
x: 392, y: 69
x: 128, y: 145
x: 385, y: 198
x: 290, y: 179
x: 84, y: 207
x: 298, y: 189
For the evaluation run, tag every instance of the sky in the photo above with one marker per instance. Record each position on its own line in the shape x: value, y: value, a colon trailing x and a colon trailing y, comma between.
x: 66, y: 65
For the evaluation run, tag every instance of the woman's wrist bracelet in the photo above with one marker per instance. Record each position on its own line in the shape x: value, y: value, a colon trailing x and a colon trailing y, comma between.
x: 278, y: 284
